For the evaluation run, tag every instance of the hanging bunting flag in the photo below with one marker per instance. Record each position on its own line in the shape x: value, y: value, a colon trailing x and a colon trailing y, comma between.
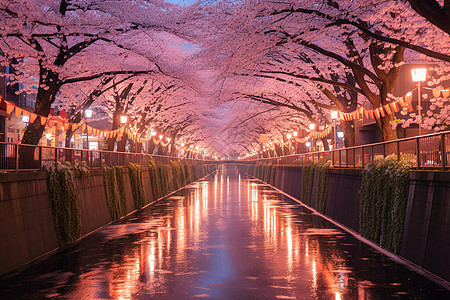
x: 394, y: 107
x: 387, y: 109
x: 50, y: 123
x: 9, y: 107
x: 408, y: 101
x: 381, y: 110
x: 376, y: 113
x: 445, y: 93
x: 18, y: 111
x: 33, y: 117
x: 74, y: 127
x: 66, y: 126
x: 436, y: 93
x: 43, y: 120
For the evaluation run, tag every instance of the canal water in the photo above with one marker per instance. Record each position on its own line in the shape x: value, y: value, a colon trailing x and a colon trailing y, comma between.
x: 226, y: 237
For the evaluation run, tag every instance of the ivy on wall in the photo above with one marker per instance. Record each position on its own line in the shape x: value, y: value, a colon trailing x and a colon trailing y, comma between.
x: 64, y: 202
x: 383, y: 199
x: 115, y: 191
x: 137, y: 186
x: 307, y: 182
x: 321, y: 169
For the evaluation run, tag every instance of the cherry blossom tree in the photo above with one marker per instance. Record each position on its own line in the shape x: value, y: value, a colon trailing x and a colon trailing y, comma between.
x: 65, y: 42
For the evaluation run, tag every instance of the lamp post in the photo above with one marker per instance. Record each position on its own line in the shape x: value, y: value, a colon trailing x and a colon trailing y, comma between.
x: 334, y: 117
x: 419, y: 75
x: 87, y: 116
x: 311, y: 127
x: 289, y: 136
x: 295, y: 133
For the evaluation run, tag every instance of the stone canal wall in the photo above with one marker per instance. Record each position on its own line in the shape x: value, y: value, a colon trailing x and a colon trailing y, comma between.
x: 426, y: 231
x: 27, y: 228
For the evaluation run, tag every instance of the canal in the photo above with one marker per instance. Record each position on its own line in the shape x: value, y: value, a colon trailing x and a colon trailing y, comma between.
x: 225, y: 237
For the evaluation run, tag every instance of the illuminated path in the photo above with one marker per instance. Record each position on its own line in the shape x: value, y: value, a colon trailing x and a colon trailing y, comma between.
x: 224, y: 238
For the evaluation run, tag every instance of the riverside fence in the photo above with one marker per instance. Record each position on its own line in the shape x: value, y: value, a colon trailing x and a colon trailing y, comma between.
x: 22, y: 157
x: 430, y: 151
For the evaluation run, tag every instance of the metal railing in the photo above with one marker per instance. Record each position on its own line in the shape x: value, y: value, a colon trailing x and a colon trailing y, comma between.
x: 22, y: 157
x: 427, y: 151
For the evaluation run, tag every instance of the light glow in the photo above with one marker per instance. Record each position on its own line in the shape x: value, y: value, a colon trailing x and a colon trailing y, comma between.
x: 334, y: 115
x: 312, y: 126
x: 123, y: 119
x: 419, y: 74
x: 88, y: 113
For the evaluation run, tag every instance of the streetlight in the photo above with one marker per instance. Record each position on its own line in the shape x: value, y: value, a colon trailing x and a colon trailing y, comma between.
x: 334, y: 117
x: 312, y: 126
x: 87, y: 115
x: 295, y: 133
x: 308, y: 145
x: 419, y: 75
x: 289, y: 136
x: 123, y: 119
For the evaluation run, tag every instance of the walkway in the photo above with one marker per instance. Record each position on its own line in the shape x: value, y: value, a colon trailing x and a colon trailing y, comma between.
x: 227, y: 237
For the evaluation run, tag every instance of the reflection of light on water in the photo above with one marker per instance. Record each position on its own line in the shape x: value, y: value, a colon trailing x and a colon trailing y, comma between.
x: 239, y: 189
x: 314, y: 274
x: 151, y: 257
x: 228, y: 187
x: 290, y: 256
x: 307, y: 247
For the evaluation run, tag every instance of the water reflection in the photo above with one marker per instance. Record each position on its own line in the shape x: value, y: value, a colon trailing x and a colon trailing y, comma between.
x: 225, y: 238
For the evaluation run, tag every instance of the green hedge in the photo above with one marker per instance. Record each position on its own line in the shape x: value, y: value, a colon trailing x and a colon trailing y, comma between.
x: 383, y: 198
x: 64, y: 202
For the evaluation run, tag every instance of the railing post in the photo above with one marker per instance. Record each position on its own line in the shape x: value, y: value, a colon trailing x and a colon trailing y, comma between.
x: 346, y: 158
x: 384, y: 150
x: 100, y: 158
x: 363, y: 157
x: 340, y: 158
x: 418, y: 152
x: 398, y: 150
x: 354, y: 158
x: 16, y: 150
x: 443, y: 152
x: 371, y: 155
x: 40, y: 158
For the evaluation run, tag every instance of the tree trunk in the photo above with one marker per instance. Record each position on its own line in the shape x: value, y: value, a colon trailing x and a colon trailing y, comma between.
x: 349, y: 133
x: 326, y: 147
x: 122, y: 143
